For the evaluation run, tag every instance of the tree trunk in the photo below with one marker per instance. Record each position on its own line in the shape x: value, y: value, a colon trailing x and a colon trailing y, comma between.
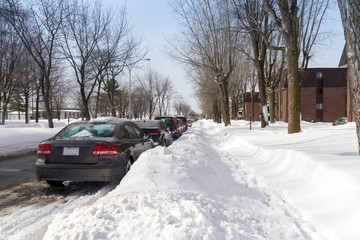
x: 252, y: 106
x: 37, y: 103
x: 262, y: 95
x: 97, y: 99
x: 272, y: 105
x: 4, y: 112
x: 26, y: 107
x: 45, y: 88
x: 85, y: 109
x: 293, y: 76
x: 226, y: 103
x: 350, y: 16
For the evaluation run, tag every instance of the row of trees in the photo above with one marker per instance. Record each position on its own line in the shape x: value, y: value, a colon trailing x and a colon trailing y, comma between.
x: 230, y: 46
x: 50, y: 49
x: 233, y: 46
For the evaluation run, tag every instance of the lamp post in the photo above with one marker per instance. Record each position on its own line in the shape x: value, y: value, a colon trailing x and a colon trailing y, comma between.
x: 130, y: 66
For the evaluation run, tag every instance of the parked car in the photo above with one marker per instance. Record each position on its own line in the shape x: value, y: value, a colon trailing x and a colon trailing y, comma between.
x: 340, y: 121
x: 157, y: 131
x: 173, y: 124
x: 184, y: 121
x: 98, y: 150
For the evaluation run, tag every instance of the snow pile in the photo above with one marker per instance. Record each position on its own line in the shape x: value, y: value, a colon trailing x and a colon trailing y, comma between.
x: 219, y: 183
x: 16, y: 137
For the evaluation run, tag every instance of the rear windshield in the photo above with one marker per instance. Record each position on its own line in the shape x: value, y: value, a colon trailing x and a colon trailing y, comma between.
x: 148, y: 124
x: 167, y: 121
x: 94, y: 129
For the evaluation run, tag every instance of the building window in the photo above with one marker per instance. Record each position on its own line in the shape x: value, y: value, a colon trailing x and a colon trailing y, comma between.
x: 319, y: 106
x: 319, y: 75
x: 320, y: 90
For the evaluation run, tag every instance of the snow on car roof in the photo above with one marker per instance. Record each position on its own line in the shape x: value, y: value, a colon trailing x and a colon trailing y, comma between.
x: 107, y: 119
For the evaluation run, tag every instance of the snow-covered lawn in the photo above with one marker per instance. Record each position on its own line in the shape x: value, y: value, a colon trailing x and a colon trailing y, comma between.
x: 213, y: 183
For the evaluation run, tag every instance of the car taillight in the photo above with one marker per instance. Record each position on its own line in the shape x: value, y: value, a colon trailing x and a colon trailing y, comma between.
x: 101, y: 150
x: 157, y: 132
x: 44, y: 149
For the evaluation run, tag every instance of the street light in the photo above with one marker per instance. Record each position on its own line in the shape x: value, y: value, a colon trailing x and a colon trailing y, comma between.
x: 130, y: 66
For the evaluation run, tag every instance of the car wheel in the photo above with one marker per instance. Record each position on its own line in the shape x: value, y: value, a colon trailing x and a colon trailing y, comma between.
x: 55, y: 183
x: 128, y: 166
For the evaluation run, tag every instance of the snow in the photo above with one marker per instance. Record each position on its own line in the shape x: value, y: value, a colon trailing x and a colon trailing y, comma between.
x: 214, y: 182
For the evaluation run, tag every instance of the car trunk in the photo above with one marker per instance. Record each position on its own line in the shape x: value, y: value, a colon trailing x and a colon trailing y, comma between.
x: 74, y: 151
x: 154, y: 132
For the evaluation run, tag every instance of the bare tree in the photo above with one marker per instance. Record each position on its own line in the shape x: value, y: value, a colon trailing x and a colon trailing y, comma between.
x: 274, y: 66
x: 207, y: 93
x: 147, y: 85
x: 37, y: 23
x: 115, y: 51
x: 139, y: 107
x: 298, y: 24
x: 163, y: 90
x: 10, y: 51
x: 207, y: 41
x: 181, y: 107
x: 255, y: 22
x: 83, y: 29
x: 27, y: 79
x: 350, y: 16
x: 60, y: 90
x: 238, y: 84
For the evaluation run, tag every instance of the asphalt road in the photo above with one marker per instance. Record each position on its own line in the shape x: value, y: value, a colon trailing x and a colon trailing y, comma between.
x: 19, y: 187
x: 16, y: 170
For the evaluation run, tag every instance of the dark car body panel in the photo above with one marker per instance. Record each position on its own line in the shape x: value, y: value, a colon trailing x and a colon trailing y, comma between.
x: 81, y: 165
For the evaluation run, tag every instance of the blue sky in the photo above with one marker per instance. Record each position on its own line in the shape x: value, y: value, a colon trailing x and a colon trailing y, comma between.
x: 153, y: 20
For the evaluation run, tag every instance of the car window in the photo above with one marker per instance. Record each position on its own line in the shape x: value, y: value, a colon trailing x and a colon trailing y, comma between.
x: 101, y: 129
x: 122, y: 133
x: 168, y: 121
x: 130, y: 131
x: 139, y: 133
x: 71, y: 130
x: 88, y: 130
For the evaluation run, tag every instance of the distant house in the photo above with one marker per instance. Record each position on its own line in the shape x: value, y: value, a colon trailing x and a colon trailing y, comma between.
x: 323, y: 95
x: 65, y: 113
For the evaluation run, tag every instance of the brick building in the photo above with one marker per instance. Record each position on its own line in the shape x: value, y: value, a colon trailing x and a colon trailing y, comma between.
x: 246, y: 108
x: 323, y: 95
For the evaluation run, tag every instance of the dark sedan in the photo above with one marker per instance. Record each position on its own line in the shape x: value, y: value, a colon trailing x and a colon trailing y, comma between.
x: 157, y: 130
x: 96, y: 150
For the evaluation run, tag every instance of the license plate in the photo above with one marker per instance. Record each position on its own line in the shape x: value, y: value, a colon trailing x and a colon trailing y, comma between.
x: 71, y: 151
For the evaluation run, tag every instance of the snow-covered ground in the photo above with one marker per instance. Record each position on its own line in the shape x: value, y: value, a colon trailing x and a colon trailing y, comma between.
x: 212, y: 183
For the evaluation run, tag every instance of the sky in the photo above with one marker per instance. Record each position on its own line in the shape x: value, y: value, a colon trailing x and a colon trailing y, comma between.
x: 153, y: 20
x: 214, y: 182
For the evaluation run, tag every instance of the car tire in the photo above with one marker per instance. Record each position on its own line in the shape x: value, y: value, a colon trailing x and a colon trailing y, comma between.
x: 55, y: 183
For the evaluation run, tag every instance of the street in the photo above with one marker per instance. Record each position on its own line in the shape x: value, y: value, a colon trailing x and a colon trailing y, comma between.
x: 19, y: 187
x: 16, y: 170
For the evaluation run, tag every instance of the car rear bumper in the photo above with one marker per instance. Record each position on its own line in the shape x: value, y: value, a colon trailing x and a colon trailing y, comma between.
x: 60, y: 172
